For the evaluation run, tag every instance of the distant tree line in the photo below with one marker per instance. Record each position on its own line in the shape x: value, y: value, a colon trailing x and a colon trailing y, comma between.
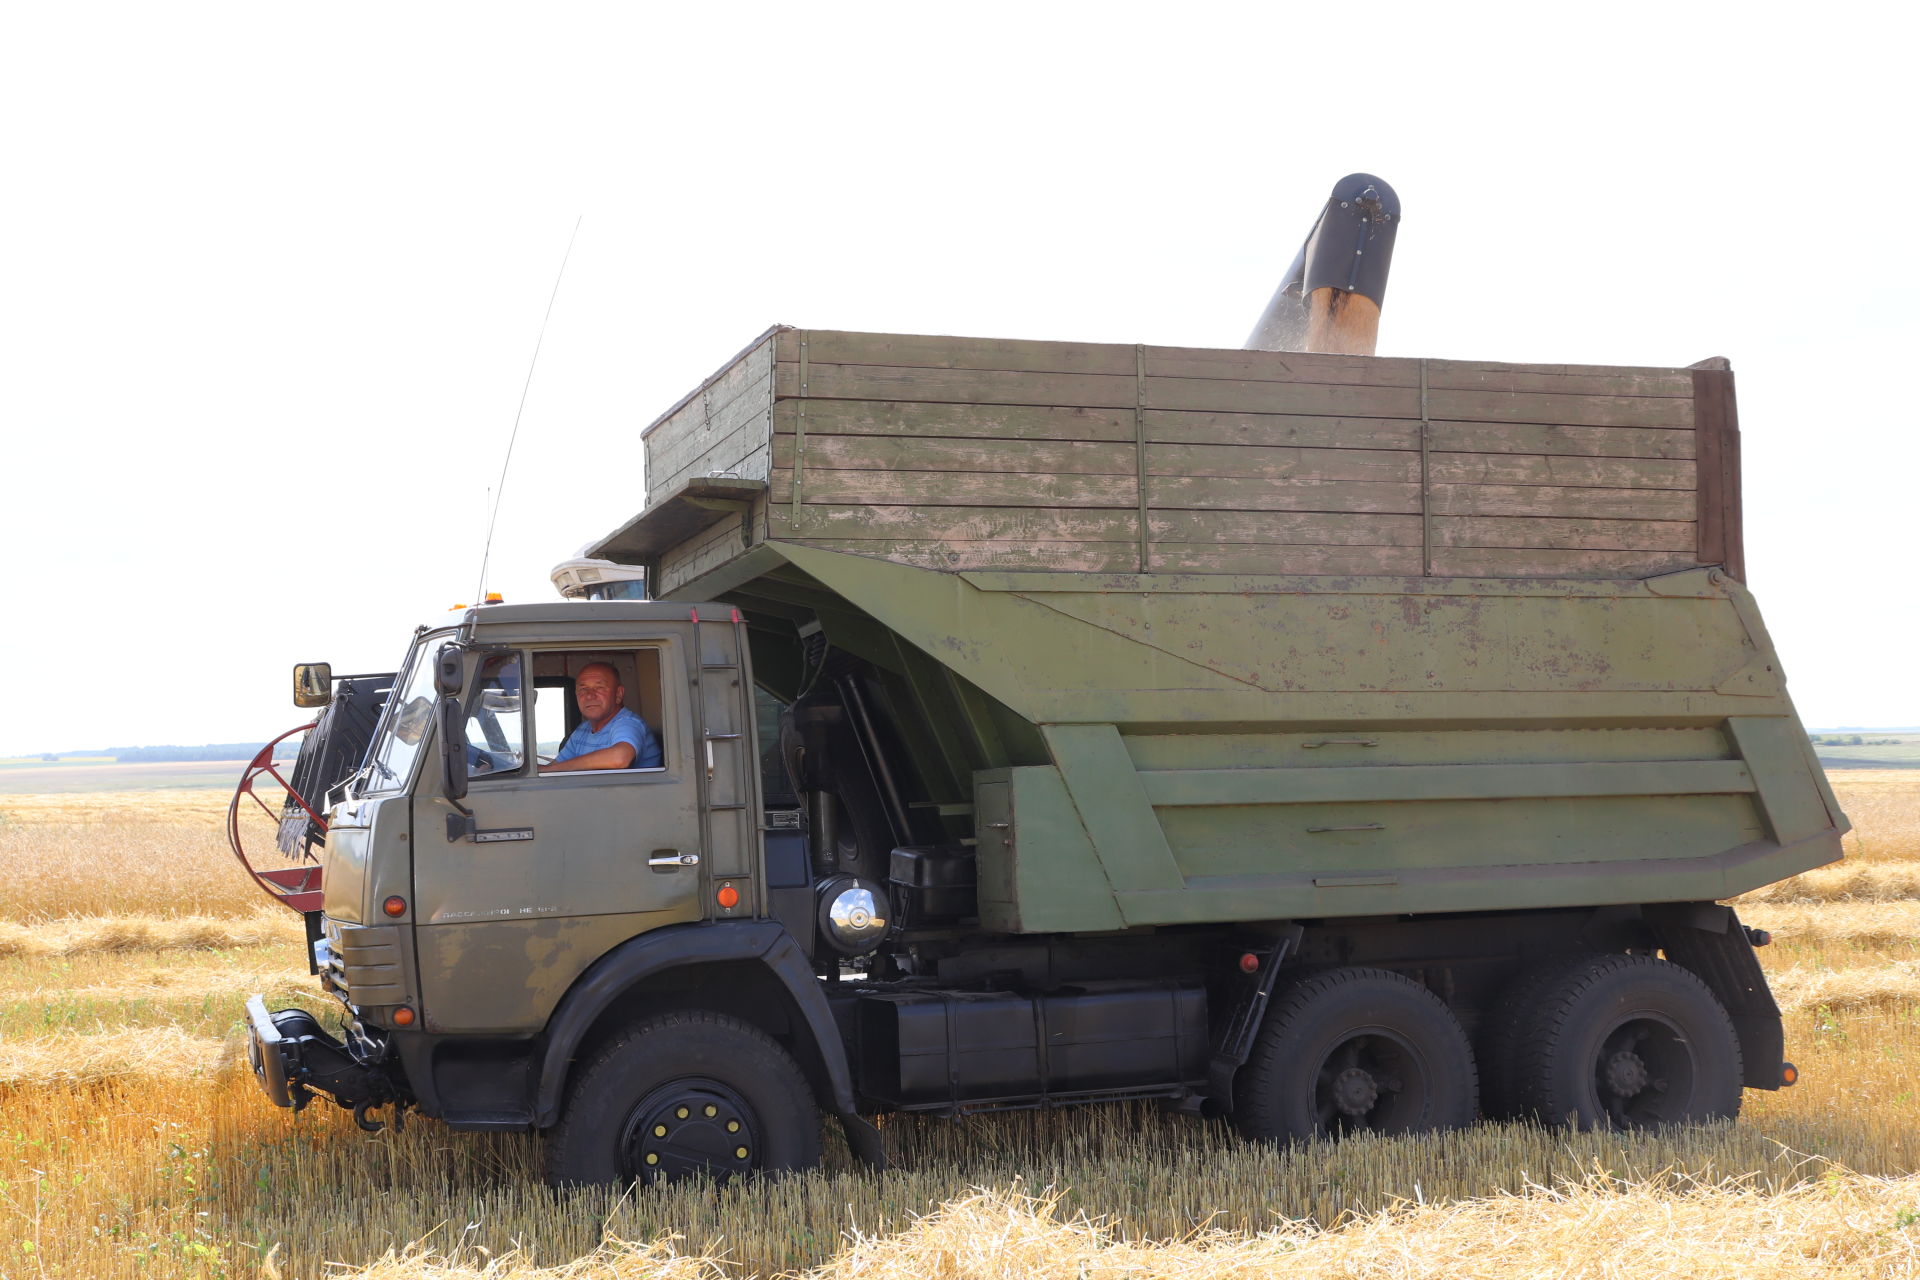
x: 175, y: 754
x: 1842, y: 740
x: 210, y: 751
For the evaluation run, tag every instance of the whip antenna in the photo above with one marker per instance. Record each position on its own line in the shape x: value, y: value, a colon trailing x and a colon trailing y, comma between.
x: 480, y: 592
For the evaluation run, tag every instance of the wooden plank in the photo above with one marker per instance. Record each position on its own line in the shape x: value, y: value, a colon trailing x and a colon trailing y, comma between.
x: 1563, y: 534
x: 748, y: 364
x: 1295, y: 528
x: 961, y: 421
x: 1274, y: 463
x: 927, y: 351
x: 678, y: 445
x: 1568, y: 410
x: 1236, y: 494
x: 966, y: 386
x: 1281, y: 366
x: 962, y: 488
x: 1276, y: 558
x: 1718, y: 503
x: 1510, y: 562
x: 1247, y: 396
x: 1387, y: 371
x: 922, y: 351
x: 745, y: 453
x: 964, y: 524
x: 1563, y: 379
x: 708, y: 550
x: 1586, y: 473
x: 954, y: 386
x: 1167, y: 426
x: 1562, y: 441
x: 959, y: 556
x: 923, y: 454
x: 1550, y: 500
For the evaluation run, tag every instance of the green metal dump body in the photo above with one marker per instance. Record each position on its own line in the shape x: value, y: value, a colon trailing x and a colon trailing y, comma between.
x: 1498, y: 657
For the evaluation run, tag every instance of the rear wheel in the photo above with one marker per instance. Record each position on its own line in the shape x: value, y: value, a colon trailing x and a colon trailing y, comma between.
x: 1505, y: 1031
x: 1356, y: 1050
x: 685, y: 1094
x: 1628, y: 1042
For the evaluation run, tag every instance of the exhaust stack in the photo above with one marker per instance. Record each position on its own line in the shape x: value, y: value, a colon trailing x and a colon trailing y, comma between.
x: 1330, y: 299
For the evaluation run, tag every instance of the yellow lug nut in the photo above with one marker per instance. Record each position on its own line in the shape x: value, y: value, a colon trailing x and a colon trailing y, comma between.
x: 681, y: 1113
x: 652, y: 1158
x: 712, y: 1110
x: 733, y: 1126
x: 659, y: 1131
x: 740, y: 1153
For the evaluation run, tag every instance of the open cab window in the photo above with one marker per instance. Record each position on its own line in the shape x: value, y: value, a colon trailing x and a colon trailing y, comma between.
x: 556, y: 707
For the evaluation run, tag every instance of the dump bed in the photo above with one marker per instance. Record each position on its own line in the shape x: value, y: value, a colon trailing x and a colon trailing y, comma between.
x: 1411, y: 636
x: 971, y: 453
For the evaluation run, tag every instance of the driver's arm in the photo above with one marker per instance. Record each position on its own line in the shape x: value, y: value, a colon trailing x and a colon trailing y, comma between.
x: 617, y: 756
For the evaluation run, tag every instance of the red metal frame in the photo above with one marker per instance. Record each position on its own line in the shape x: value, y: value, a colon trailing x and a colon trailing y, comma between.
x: 297, y: 888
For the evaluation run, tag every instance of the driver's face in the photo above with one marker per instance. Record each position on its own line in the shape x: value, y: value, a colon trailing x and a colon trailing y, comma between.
x: 599, y: 694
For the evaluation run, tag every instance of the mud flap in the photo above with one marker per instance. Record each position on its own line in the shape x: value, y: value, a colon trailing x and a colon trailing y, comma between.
x: 1708, y: 940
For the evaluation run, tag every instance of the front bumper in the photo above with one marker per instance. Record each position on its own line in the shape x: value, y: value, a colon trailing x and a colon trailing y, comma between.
x: 293, y: 1058
x: 273, y: 1059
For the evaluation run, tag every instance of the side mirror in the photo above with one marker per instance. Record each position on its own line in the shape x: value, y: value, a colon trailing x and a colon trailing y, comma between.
x: 453, y: 747
x: 449, y: 671
x: 312, y: 684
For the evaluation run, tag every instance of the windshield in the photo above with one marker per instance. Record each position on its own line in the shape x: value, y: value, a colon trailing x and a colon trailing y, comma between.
x: 408, y: 719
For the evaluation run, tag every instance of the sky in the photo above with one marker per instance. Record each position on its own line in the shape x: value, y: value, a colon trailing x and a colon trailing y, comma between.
x: 271, y: 276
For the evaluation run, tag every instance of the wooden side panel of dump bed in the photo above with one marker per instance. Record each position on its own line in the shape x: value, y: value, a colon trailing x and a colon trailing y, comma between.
x: 969, y: 454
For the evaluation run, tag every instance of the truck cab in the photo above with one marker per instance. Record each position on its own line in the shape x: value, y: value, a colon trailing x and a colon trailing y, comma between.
x: 482, y: 914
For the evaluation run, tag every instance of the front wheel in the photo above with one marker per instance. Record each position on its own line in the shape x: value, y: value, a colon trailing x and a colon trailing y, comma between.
x: 683, y: 1094
x: 1356, y: 1050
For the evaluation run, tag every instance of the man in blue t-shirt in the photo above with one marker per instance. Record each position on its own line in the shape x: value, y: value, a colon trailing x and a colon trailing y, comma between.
x: 608, y: 736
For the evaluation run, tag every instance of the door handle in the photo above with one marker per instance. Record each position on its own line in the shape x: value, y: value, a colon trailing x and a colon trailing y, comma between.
x: 713, y: 738
x: 672, y: 860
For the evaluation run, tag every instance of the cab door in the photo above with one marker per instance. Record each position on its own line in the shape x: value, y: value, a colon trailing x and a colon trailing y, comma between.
x: 561, y: 867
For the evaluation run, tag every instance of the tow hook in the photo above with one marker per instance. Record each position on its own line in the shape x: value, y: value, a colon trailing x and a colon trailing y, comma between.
x: 361, y: 1118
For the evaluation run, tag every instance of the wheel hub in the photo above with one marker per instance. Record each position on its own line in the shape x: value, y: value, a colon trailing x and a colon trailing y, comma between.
x: 1626, y: 1074
x: 1355, y: 1092
x: 691, y: 1126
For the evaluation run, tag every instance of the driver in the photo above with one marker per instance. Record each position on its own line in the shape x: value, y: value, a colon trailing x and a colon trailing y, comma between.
x: 608, y: 736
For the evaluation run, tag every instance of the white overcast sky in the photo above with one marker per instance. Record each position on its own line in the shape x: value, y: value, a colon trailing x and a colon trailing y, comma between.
x: 271, y: 274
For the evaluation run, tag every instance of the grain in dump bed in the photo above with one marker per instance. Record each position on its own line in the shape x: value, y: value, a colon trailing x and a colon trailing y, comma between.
x: 988, y: 453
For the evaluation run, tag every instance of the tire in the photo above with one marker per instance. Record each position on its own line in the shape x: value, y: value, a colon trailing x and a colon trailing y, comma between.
x: 1356, y: 1050
x: 684, y: 1094
x: 1628, y: 1042
x: 1505, y: 1031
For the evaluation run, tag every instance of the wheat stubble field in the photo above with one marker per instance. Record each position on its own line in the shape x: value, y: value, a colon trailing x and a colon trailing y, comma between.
x: 133, y: 1142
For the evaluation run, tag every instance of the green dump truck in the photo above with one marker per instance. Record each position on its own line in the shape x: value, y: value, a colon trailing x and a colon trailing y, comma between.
x: 1335, y: 743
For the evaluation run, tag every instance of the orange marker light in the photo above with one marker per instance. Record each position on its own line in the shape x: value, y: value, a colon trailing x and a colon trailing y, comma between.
x: 403, y: 1017
x: 494, y: 597
x: 1789, y: 1074
x: 728, y: 897
x: 395, y: 906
